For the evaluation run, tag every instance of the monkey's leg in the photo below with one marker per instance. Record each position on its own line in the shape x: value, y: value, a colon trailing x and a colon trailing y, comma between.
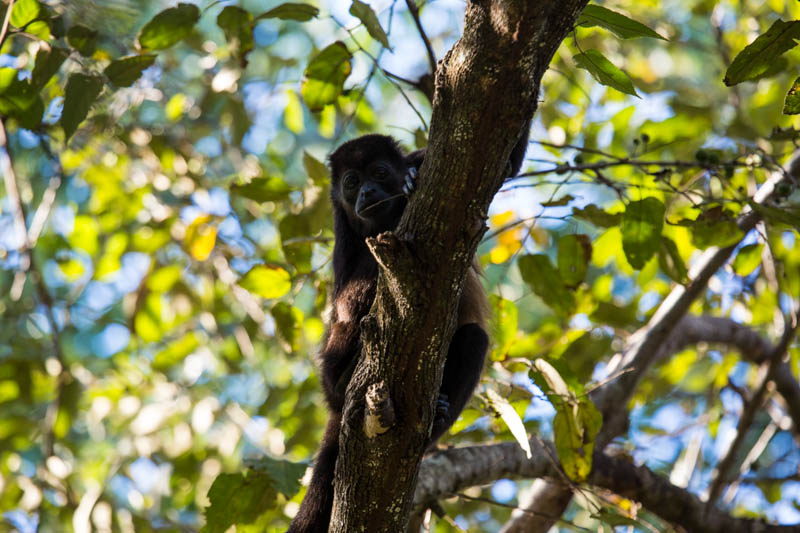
x: 462, y: 371
x: 315, y: 511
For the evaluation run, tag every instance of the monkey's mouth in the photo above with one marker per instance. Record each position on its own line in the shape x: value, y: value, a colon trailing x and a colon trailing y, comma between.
x: 369, y: 211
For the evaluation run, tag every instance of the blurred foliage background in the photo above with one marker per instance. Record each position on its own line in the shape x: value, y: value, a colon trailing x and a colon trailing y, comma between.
x: 165, y: 245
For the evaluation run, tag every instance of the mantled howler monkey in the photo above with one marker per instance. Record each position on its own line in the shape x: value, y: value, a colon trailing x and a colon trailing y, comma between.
x: 371, y: 178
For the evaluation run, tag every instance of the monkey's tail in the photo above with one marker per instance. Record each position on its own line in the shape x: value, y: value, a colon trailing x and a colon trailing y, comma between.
x: 315, y: 511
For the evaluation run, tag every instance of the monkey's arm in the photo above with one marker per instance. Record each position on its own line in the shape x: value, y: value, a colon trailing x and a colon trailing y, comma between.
x: 337, y: 361
x: 462, y: 371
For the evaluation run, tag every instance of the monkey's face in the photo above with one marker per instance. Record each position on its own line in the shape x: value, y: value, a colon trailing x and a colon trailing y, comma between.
x: 373, y: 196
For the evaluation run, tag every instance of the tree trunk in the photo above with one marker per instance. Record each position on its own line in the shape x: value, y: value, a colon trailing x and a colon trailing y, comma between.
x: 486, y: 89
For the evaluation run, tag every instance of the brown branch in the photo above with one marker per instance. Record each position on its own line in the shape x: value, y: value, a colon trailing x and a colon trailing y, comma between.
x: 768, y: 371
x: 449, y: 472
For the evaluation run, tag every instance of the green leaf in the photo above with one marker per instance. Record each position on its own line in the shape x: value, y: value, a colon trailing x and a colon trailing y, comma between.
x: 597, y: 216
x: 267, y: 281
x: 574, y: 253
x: 291, y: 11
x: 641, y: 230
x: 715, y: 227
x: 367, y: 16
x: 285, y: 475
x: 315, y: 168
x: 237, y: 24
x: 618, y: 23
x: 19, y: 99
x: 288, y: 324
x: 670, y: 260
x: 236, y: 500
x: 788, y: 214
x: 325, y: 75
x: 263, y: 189
x: 169, y: 27
x: 124, y: 72
x: 747, y: 259
x: 503, y: 325
x: 575, y: 425
x: 176, y: 351
x: 512, y: 420
x: 47, y: 64
x: 24, y: 12
x: 560, y: 202
x: 82, y: 39
x: 604, y: 71
x: 791, y: 106
x: 539, y: 274
x: 758, y: 56
x: 82, y: 91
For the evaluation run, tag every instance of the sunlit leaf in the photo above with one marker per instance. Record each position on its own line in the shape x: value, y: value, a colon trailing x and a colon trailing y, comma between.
x: 715, y: 226
x: 622, y: 26
x: 169, y: 27
x: 367, y: 16
x: 604, y: 71
x: 641, y: 230
x: 503, y: 324
x: 758, y: 56
x: 791, y: 106
x: 24, y: 12
x: 201, y: 237
x: 293, y: 113
x: 747, y: 259
x: 82, y: 39
x: 176, y: 351
x: 539, y: 274
x: 511, y: 418
x: 325, y: 75
x: 124, y: 72
x: 291, y: 11
x: 267, y: 281
x: 82, y: 91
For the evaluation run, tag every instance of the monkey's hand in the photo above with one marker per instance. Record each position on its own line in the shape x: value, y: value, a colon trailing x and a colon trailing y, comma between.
x: 410, y: 181
x: 441, y: 418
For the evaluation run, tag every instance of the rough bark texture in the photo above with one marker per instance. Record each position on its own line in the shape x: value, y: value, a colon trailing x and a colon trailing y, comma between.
x: 486, y: 89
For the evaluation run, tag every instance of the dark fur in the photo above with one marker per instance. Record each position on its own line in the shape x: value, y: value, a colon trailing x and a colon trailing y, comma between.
x: 355, y: 276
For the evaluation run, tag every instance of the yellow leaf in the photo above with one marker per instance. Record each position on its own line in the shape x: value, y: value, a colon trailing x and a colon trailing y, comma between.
x: 293, y: 113
x: 201, y: 238
x: 267, y: 281
x: 175, y: 106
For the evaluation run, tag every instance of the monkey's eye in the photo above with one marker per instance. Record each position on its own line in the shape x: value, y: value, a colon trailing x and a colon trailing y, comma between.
x: 350, y: 181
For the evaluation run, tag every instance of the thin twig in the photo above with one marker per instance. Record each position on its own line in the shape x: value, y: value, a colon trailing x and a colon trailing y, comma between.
x: 414, y: 10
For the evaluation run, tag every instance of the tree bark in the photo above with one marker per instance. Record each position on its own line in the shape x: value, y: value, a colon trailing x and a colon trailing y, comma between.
x: 486, y: 89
